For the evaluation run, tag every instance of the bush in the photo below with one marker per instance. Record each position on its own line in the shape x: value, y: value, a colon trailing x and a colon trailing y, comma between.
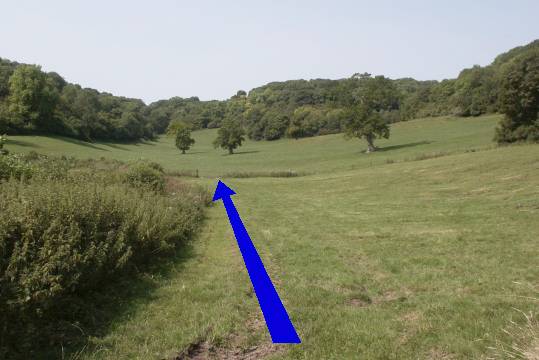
x: 61, y: 240
x: 146, y: 175
x: 72, y: 227
x: 14, y: 166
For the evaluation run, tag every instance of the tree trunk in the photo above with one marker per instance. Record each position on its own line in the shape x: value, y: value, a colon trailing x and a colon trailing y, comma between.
x: 183, y: 151
x: 370, y: 144
x: 230, y: 151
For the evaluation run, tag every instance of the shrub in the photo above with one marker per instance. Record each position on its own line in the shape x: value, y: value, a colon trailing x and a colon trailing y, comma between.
x: 146, y: 175
x: 14, y: 166
x: 32, y: 156
x: 3, y: 140
x: 61, y: 240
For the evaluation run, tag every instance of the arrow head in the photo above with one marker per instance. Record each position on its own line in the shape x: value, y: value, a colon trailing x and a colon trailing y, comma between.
x: 222, y: 191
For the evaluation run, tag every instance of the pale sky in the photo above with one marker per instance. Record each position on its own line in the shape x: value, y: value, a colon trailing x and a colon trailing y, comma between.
x: 159, y: 49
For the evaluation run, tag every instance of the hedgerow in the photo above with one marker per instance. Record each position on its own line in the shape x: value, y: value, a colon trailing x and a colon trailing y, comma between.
x: 71, y: 232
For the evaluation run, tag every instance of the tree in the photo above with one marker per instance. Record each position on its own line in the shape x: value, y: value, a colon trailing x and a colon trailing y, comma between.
x: 362, y: 121
x: 32, y: 97
x: 306, y: 121
x: 229, y: 136
x: 519, y: 100
x: 184, y: 141
x: 4, y: 117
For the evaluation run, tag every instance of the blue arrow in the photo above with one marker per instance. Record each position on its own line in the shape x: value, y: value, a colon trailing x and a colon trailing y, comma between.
x: 279, y: 325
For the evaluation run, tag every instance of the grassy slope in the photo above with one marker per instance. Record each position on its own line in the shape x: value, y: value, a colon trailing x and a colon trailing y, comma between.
x: 317, y: 154
x: 413, y: 259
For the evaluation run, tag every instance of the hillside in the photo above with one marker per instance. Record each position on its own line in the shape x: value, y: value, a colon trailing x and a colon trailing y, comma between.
x: 422, y: 250
x: 294, y: 108
x: 424, y: 137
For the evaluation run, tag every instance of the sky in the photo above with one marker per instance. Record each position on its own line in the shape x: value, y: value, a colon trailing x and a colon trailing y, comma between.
x: 159, y: 49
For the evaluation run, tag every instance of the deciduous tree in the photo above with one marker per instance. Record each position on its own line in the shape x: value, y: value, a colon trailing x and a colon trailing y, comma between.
x: 229, y: 136
x: 519, y: 100
x: 184, y: 141
x: 32, y: 97
x: 362, y: 121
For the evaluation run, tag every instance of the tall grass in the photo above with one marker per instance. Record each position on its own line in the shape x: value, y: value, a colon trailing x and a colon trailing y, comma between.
x: 524, y: 333
x: 255, y: 174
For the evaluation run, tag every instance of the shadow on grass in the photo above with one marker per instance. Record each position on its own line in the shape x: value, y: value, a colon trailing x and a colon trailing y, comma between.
x: 78, y: 142
x: 21, y: 143
x: 96, y: 145
x: 117, y: 300
x: 402, y: 146
x: 243, y: 152
x: 117, y: 145
x: 146, y: 142
x: 114, y: 146
x: 194, y: 152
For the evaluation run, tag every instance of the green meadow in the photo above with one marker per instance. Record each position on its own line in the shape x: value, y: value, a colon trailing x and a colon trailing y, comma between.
x: 426, y: 249
x: 309, y: 155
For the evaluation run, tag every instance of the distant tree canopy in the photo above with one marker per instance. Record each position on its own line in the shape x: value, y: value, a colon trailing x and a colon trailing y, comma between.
x: 34, y: 101
x: 32, y: 98
x: 519, y: 99
x: 229, y: 136
x: 197, y: 114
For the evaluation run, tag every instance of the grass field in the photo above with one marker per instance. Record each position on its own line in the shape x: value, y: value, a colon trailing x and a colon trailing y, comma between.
x: 421, y: 251
x: 312, y: 155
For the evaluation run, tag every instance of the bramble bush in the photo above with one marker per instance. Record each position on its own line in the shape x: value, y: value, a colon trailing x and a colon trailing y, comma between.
x: 71, y: 232
x: 146, y: 175
x: 14, y: 166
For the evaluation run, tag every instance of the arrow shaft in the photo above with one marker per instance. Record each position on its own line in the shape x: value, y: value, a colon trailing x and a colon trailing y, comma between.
x: 277, y: 319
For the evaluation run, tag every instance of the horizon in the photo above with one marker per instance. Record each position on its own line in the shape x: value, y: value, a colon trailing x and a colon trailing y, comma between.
x: 205, y: 51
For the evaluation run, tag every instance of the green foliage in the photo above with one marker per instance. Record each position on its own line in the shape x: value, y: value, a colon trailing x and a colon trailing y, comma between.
x: 61, y: 240
x: 364, y: 122
x: 13, y: 166
x: 229, y: 136
x: 64, y: 236
x: 184, y: 141
x: 34, y: 101
x: 146, y: 175
x: 173, y: 127
x: 32, y: 98
x: 193, y: 112
x: 519, y: 99
x: 475, y: 92
x: 305, y: 121
x: 46, y: 103
x: 89, y: 115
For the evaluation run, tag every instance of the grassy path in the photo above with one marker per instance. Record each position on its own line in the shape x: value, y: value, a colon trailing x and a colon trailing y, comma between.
x: 406, y: 260
x: 205, y: 297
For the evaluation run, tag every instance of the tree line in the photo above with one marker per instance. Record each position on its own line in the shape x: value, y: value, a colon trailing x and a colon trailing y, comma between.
x: 34, y: 101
